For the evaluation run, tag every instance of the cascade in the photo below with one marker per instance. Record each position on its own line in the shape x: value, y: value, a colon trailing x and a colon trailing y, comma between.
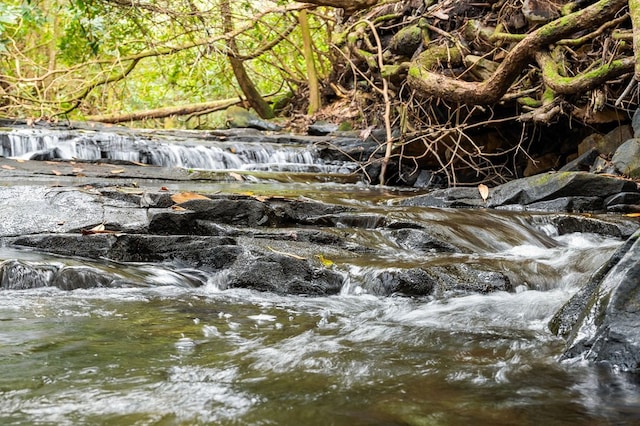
x: 193, y: 154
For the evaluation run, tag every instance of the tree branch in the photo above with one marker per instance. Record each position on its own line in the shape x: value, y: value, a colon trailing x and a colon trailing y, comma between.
x: 428, y: 83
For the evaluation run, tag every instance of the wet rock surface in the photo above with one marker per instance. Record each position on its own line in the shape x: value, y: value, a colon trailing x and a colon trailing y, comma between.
x: 568, y: 191
x: 602, y: 321
x: 121, y: 220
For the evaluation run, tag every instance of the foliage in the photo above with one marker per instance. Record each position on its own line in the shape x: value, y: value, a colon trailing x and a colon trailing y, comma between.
x: 92, y: 57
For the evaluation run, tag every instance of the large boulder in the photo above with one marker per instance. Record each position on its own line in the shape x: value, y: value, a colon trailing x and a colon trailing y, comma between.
x: 564, y: 191
x: 602, y: 321
x: 626, y: 159
x: 553, y: 192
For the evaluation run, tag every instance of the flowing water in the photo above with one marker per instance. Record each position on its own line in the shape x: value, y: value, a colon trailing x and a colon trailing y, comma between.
x: 165, y: 352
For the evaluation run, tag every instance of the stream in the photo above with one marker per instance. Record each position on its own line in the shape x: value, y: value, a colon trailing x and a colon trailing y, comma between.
x: 165, y: 352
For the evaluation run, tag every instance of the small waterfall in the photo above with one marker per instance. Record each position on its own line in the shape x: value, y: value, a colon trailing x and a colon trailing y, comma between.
x: 36, y: 144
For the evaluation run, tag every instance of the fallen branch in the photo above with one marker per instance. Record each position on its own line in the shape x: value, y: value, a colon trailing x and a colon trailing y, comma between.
x: 165, y: 112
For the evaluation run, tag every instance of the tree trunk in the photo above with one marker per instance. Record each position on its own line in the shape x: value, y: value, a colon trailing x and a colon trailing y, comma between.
x: 312, y: 76
x: 254, y: 97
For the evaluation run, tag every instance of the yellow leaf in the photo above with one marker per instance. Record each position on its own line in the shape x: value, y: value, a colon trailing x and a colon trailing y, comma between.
x: 182, y: 197
x: 326, y: 262
x: 484, y: 191
x: 117, y: 171
x: 632, y: 215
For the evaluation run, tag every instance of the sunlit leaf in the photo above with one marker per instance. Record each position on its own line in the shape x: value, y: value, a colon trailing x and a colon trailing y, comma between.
x: 326, y: 262
x: 632, y: 215
x: 182, y: 197
x: 117, y: 171
x: 484, y: 191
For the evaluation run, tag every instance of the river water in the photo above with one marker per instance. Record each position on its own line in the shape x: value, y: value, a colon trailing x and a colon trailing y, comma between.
x: 166, y: 353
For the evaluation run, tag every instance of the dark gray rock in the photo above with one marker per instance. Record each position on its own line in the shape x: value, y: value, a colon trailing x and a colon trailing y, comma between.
x: 203, y: 252
x: 421, y: 241
x: 89, y: 246
x: 283, y: 274
x: 617, y: 227
x: 321, y: 128
x: 635, y: 123
x: 568, y: 204
x: 449, y: 197
x: 407, y: 282
x: 583, y: 163
x: 626, y: 159
x: 439, y: 281
x: 76, y: 277
x: 602, y: 321
x: 46, y: 155
x: 552, y: 186
x: 19, y: 275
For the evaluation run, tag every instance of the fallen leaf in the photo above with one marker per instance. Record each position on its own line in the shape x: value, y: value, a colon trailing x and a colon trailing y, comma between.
x: 164, y: 188
x: 77, y: 170
x: 137, y: 163
x: 182, y: 197
x: 178, y: 208
x: 632, y: 215
x: 326, y: 262
x: 236, y: 176
x: 117, y: 171
x: 98, y: 229
x: 7, y: 167
x: 20, y: 160
x: 51, y: 163
x: 484, y: 191
x: 55, y: 172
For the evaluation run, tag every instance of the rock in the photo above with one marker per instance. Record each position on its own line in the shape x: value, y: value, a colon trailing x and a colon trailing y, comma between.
x: 19, y: 275
x: 626, y: 159
x: 421, y: 241
x: 610, y: 226
x: 635, y: 123
x: 574, y: 190
x: 602, y: 321
x: 46, y: 155
x: 88, y: 246
x: 582, y: 163
x: 441, y: 281
x: 448, y: 197
x: 606, y: 144
x: 283, y: 274
x: 321, y: 128
x: 75, y: 277
x: 202, y: 252
x: 238, y: 117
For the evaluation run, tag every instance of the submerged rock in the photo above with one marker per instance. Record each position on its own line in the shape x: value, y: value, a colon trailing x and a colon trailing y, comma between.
x: 602, y: 321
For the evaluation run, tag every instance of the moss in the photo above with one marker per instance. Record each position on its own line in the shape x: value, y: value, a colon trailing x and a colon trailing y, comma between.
x: 529, y: 101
